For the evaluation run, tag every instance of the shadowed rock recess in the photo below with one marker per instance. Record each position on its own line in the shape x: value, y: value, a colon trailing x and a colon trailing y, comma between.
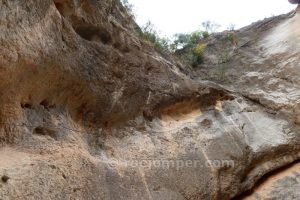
x: 91, y: 111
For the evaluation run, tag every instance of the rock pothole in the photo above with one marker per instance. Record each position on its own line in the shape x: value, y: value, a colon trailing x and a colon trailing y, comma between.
x: 4, y: 178
x: 45, y: 131
x: 26, y: 105
x: 92, y: 33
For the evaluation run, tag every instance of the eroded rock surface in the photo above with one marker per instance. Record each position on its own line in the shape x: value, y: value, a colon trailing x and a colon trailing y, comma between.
x: 280, y: 184
x: 90, y: 111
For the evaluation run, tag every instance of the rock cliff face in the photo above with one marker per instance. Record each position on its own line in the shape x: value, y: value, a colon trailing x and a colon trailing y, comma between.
x: 90, y: 111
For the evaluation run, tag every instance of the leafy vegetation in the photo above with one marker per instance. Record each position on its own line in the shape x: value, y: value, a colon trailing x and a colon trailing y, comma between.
x: 232, y: 38
x: 183, y: 40
x: 188, y: 46
x: 180, y: 41
x: 192, y: 45
x: 198, y: 51
x: 195, y: 56
x: 149, y: 33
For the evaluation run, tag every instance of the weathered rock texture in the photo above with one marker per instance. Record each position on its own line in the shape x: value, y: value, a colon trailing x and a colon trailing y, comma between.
x: 90, y: 111
x: 280, y: 184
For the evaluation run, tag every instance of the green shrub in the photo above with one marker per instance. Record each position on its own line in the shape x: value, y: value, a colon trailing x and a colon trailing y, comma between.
x: 195, y: 56
x: 183, y: 40
x: 190, y: 59
x: 231, y: 37
x: 149, y: 34
x: 187, y: 46
x: 198, y: 51
x: 205, y: 34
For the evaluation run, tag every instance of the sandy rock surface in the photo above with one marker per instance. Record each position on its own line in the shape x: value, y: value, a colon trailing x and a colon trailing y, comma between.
x: 90, y: 111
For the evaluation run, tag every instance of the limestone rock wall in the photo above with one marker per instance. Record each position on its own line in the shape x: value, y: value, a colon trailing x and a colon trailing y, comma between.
x: 91, y: 111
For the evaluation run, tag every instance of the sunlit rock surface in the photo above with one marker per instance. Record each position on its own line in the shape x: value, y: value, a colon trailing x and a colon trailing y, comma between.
x: 90, y: 111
